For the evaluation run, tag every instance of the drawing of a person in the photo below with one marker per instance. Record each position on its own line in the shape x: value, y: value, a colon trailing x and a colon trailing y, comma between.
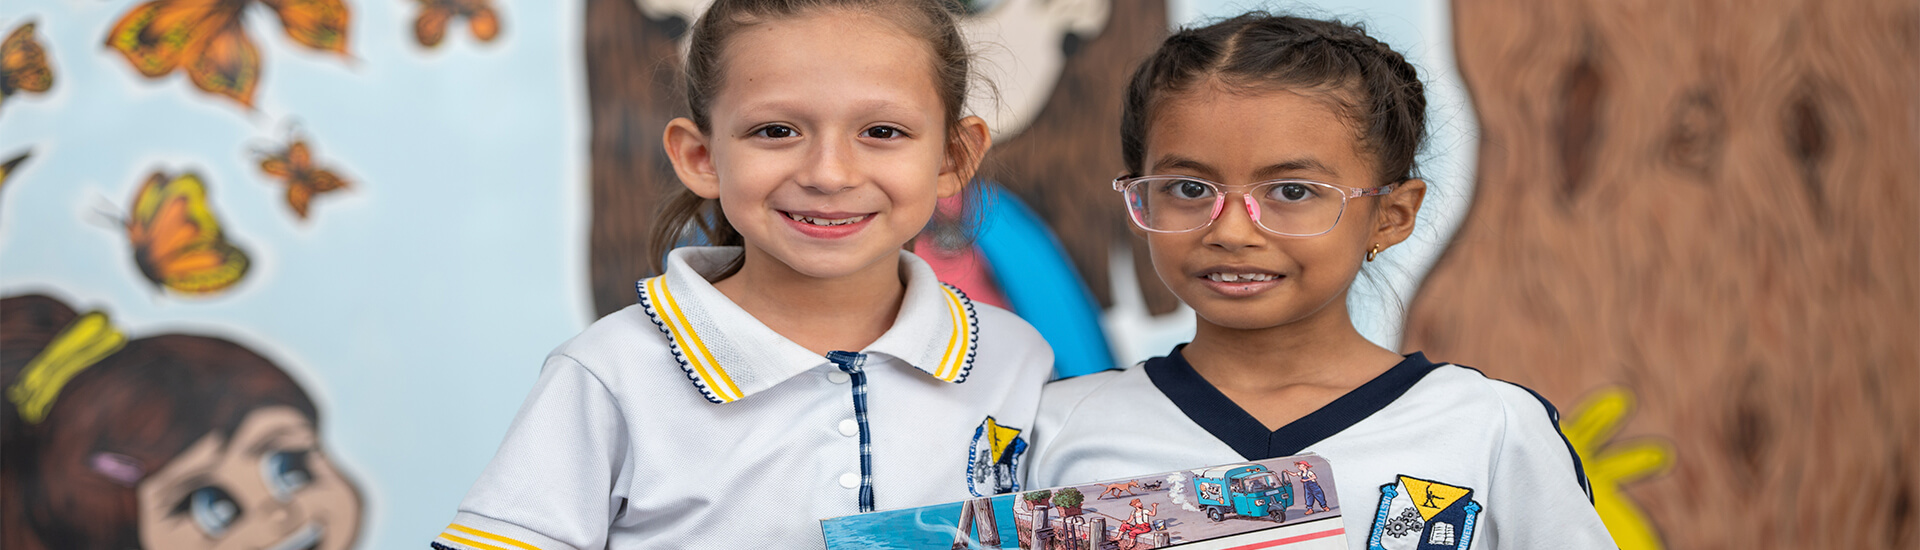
x: 1310, y: 483
x: 1139, y: 522
x: 167, y: 442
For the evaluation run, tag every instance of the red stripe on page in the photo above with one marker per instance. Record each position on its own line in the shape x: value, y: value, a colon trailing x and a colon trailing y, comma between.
x: 1291, y: 540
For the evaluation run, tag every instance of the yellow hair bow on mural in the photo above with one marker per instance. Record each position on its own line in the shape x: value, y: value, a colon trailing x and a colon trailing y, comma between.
x: 83, y: 343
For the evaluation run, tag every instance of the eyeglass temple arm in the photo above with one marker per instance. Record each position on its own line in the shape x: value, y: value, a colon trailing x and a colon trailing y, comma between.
x: 1372, y: 191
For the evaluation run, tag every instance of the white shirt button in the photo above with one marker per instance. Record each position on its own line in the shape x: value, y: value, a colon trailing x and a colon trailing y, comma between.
x: 849, y: 428
x: 850, y: 481
x: 837, y: 377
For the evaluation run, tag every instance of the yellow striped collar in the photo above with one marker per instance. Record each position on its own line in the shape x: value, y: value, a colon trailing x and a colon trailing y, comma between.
x: 727, y: 354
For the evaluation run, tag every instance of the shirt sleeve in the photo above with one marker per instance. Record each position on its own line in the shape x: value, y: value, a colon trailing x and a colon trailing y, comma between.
x: 1540, y: 490
x: 558, y: 480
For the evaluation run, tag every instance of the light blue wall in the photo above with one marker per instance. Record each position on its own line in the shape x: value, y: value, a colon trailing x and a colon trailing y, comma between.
x: 417, y: 306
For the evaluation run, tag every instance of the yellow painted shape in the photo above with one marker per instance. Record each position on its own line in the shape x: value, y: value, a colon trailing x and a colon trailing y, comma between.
x: 1443, y: 495
x: 1611, y: 465
x: 1000, y: 437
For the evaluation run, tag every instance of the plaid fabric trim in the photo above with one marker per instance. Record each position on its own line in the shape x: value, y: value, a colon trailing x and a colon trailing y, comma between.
x: 853, y: 364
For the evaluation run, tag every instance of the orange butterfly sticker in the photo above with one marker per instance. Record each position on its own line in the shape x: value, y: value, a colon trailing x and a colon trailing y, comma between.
x: 177, y: 242
x: 12, y: 165
x: 208, y: 39
x: 23, y: 64
x: 294, y: 165
x: 431, y: 27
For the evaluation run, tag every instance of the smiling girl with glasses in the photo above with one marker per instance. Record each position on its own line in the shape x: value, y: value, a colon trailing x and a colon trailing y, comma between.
x: 1269, y: 158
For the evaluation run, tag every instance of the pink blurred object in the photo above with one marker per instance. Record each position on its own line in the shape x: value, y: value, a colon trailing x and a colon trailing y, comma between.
x: 963, y: 268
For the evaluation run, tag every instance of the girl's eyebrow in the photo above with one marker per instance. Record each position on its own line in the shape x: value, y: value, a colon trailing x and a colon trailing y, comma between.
x: 1276, y: 170
x: 1173, y: 162
x: 1295, y: 166
x: 269, y: 440
x: 177, y: 491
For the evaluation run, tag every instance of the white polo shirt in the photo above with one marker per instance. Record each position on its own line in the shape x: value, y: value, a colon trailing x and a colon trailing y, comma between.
x: 683, y: 422
x: 1424, y: 456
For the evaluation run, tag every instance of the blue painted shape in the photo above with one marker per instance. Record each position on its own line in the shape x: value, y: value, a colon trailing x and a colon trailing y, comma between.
x: 1033, y: 272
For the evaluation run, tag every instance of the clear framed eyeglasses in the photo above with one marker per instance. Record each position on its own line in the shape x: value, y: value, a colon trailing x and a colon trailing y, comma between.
x: 1288, y: 207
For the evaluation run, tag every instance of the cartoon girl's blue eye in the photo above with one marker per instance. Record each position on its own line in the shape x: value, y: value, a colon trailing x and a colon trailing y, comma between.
x: 287, y: 471
x: 212, y: 509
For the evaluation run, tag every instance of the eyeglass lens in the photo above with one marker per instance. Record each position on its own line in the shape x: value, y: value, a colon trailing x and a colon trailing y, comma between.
x: 1299, y: 208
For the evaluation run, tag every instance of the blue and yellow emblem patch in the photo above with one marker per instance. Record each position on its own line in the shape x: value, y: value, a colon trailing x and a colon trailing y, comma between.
x: 1417, y: 514
x: 993, y: 460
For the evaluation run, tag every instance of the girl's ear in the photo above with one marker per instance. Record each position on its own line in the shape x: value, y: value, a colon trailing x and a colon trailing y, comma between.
x: 1397, y: 212
x: 692, y: 157
x: 969, y: 143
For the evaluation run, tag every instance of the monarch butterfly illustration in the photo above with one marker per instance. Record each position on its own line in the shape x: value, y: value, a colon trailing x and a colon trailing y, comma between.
x: 295, y: 166
x: 209, y: 39
x: 23, y: 64
x: 431, y: 27
x: 177, y: 242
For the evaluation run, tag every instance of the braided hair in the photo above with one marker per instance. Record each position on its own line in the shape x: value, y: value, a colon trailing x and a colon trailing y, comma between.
x: 1370, y: 84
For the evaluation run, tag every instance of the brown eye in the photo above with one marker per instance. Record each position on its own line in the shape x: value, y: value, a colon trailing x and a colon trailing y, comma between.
x: 882, y: 132
x: 774, y: 131
x: 1189, y: 189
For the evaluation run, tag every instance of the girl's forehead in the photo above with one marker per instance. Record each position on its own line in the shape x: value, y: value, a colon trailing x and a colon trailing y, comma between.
x: 832, y: 57
x: 1263, y: 134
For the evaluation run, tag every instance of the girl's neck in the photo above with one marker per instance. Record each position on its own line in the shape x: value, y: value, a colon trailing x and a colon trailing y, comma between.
x: 842, y: 313
x: 1323, y: 351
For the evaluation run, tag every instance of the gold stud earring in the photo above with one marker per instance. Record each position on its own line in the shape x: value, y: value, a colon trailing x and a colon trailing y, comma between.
x: 1371, y: 254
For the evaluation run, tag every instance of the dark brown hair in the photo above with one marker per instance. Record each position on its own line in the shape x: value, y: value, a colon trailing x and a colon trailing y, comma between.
x: 936, y: 21
x: 147, y: 402
x: 1372, y: 86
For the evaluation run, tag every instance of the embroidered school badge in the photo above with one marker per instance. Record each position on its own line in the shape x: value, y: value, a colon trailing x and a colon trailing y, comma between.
x: 993, y: 460
x: 1417, y: 514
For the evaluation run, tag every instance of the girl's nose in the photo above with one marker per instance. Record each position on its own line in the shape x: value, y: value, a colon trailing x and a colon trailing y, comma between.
x: 1236, y: 228
x: 830, y: 168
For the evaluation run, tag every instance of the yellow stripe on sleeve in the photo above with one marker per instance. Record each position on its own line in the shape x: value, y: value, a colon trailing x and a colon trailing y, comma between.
x: 485, y: 535
x: 684, y: 330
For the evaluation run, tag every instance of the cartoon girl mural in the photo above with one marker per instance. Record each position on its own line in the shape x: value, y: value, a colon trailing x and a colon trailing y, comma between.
x: 173, y: 441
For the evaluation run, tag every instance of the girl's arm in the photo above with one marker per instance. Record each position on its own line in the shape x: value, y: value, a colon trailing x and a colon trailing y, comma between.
x: 548, y: 485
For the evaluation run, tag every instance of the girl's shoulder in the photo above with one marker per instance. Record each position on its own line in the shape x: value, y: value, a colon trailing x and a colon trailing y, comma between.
x: 614, y: 340
x: 1461, y: 384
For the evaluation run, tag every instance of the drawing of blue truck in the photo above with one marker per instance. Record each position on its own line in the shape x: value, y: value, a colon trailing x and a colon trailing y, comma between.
x: 1243, y: 490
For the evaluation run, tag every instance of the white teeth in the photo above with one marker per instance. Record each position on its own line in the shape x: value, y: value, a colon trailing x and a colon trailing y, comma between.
x: 824, y: 221
x: 1239, y: 277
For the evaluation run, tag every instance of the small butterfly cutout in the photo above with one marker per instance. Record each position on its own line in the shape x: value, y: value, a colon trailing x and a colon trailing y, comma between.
x: 176, y: 239
x: 431, y: 27
x: 209, y: 40
x: 23, y: 64
x: 294, y: 165
x: 12, y: 165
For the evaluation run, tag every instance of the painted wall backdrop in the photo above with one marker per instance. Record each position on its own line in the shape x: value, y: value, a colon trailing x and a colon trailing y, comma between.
x: 340, y: 236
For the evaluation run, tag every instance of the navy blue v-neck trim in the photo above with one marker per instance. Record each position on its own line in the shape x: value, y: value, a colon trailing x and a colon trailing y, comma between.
x: 1232, y: 425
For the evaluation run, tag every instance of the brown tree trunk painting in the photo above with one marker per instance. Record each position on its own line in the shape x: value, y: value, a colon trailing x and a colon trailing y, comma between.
x: 1710, y: 204
x: 633, y: 64
x: 1061, y: 164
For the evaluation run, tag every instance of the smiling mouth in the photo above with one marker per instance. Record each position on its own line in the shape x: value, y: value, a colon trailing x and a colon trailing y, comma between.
x: 824, y: 222
x: 307, y: 538
x: 1240, y: 277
